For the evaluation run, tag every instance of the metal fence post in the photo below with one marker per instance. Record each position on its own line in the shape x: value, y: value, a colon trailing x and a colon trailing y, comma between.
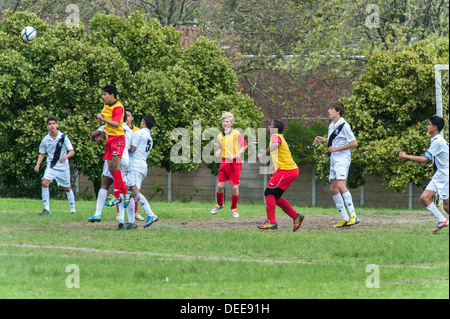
x: 410, y: 195
x: 362, y: 193
x: 314, y: 189
x: 169, y: 186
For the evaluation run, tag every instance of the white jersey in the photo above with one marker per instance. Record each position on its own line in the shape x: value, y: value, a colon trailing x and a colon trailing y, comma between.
x: 142, y: 140
x: 125, y: 160
x: 55, y: 149
x: 438, y: 152
x: 344, y: 137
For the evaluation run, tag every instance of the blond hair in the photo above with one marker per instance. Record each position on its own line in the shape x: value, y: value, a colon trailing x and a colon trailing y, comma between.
x: 228, y: 116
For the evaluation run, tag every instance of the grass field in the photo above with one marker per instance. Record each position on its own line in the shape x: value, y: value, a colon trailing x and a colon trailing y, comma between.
x: 191, y: 254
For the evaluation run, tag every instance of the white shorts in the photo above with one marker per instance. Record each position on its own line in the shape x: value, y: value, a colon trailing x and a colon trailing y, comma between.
x: 135, y: 178
x: 339, y: 170
x: 439, y: 187
x: 62, y: 177
x: 107, y: 173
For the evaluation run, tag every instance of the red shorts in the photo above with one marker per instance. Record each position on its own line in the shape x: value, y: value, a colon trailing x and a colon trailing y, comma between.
x: 114, y: 146
x: 230, y: 172
x: 283, y: 179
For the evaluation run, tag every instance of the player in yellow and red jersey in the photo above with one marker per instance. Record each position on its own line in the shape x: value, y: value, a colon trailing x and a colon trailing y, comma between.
x: 286, y: 172
x: 112, y: 115
x: 231, y: 146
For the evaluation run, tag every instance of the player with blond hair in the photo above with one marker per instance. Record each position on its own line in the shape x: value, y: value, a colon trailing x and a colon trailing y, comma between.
x: 231, y: 145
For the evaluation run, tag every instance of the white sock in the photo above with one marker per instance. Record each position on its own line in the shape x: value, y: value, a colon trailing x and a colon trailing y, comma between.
x: 341, y: 206
x: 101, y: 199
x: 121, y: 211
x: 144, y: 204
x: 433, y: 209
x: 349, y: 202
x: 130, y: 211
x: 71, y: 199
x: 46, y: 198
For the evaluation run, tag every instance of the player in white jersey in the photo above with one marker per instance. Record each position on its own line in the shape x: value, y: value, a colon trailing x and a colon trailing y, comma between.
x: 141, y: 146
x: 340, y: 140
x: 59, y: 149
x: 438, y: 152
x: 107, y: 177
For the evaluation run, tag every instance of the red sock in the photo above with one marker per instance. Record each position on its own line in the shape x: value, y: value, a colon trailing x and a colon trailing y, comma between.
x: 136, y: 204
x: 286, y: 207
x: 219, y: 199
x: 119, y: 185
x: 234, y: 200
x: 270, y: 208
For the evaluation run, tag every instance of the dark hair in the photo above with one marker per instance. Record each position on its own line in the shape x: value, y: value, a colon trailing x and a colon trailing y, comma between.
x: 52, y: 118
x: 339, y: 107
x: 438, y: 121
x: 110, y: 89
x: 149, y: 121
x: 278, y: 125
x: 129, y: 110
x: 125, y: 116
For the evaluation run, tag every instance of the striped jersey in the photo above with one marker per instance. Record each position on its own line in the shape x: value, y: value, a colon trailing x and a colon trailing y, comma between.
x: 55, y: 149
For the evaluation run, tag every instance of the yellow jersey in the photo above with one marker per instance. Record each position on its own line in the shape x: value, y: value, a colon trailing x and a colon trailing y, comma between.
x: 114, y: 112
x: 282, y: 157
x: 231, y: 143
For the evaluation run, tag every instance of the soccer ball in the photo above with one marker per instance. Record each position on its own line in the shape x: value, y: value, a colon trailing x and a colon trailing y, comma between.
x: 28, y: 33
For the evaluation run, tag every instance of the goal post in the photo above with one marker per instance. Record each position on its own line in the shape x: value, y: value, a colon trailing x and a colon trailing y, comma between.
x: 442, y: 100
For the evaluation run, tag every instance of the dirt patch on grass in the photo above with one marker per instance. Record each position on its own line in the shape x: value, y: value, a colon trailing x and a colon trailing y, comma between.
x: 311, y: 222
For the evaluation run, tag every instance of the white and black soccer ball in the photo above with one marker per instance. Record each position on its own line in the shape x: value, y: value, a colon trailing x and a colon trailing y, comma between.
x: 28, y: 33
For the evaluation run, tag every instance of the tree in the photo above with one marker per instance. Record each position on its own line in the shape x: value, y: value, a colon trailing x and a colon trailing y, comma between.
x: 389, y: 111
x: 327, y: 41
x: 62, y: 72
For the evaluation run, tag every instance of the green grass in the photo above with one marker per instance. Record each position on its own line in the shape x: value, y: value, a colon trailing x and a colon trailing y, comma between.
x: 171, y: 261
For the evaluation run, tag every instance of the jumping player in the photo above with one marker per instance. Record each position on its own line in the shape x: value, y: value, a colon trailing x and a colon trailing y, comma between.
x: 107, y: 178
x: 286, y: 172
x: 340, y: 140
x: 231, y: 146
x: 112, y: 115
x: 438, y: 152
x: 59, y: 149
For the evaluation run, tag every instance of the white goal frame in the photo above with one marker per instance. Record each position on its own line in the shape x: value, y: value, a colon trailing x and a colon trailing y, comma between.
x: 438, y: 68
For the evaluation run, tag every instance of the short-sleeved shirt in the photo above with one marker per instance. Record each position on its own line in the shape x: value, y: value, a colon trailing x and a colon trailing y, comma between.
x: 282, y: 157
x: 55, y: 149
x: 343, y: 138
x: 134, y: 129
x: 438, y: 153
x: 142, y: 140
x: 231, y: 143
x: 114, y: 112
